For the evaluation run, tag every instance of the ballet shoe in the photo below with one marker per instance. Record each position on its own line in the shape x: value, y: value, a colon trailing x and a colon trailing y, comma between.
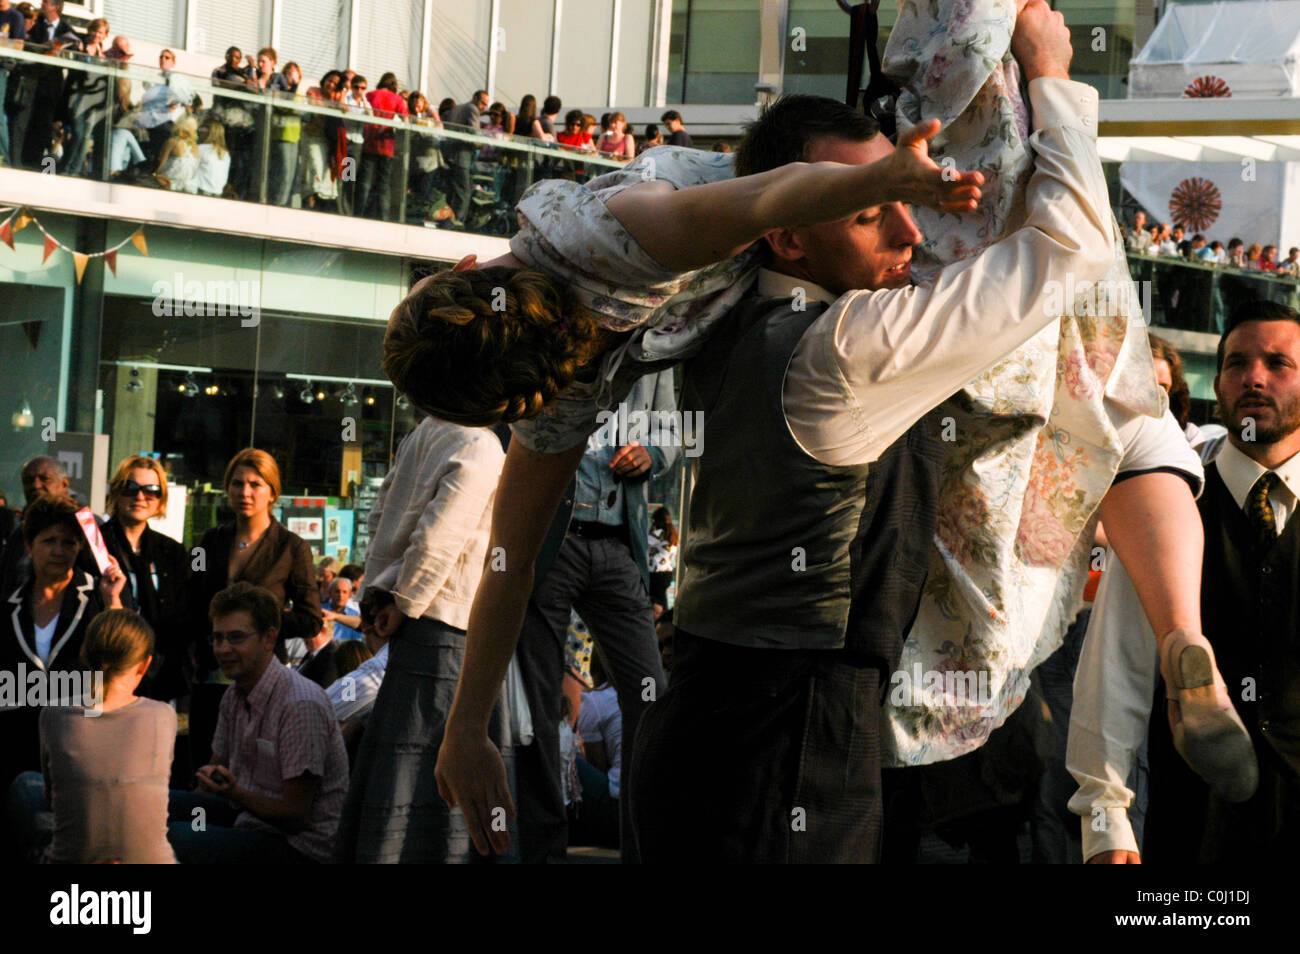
x: 1207, y: 731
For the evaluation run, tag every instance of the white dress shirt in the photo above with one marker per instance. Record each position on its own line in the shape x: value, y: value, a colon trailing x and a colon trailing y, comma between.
x: 1118, y: 673
x: 876, y: 361
x: 353, y: 696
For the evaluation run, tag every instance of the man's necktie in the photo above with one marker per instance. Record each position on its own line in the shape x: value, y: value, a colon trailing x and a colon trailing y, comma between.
x: 1260, y: 513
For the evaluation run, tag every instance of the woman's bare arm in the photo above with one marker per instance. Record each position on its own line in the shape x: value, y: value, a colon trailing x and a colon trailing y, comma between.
x: 685, y: 229
x: 470, y: 772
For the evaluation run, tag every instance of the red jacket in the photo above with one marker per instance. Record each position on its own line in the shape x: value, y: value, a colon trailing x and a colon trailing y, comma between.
x: 386, y: 103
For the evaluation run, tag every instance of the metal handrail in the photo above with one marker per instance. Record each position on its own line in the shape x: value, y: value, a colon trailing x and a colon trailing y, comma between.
x: 296, y: 102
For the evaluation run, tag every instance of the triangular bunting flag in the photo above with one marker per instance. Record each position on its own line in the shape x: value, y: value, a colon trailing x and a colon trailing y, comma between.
x: 50, y: 246
x: 21, y: 220
x: 111, y: 259
x: 7, y: 234
x: 137, y: 239
x: 79, y: 260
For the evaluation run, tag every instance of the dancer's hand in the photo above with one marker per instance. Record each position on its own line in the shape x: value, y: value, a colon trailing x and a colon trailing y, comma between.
x: 915, y: 178
x: 471, y: 775
x: 1041, y: 41
x: 1116, y: 858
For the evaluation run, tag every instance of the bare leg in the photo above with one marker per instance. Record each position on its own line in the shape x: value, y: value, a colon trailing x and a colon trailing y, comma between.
x: 1152, y: 522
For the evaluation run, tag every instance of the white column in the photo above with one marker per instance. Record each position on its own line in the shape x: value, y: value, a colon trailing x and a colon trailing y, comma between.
x: 191, y: 14
x: 494, y: 22
x: 426, y: 36
x: 276, y: 10
x: 555, y: 48
x: 354, y: 32
x: 661, y: 29
x: 613, y: 55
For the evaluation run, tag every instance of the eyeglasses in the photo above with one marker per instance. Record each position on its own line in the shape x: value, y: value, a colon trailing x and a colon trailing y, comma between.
x: 132, y: 489
x: 230, y: 639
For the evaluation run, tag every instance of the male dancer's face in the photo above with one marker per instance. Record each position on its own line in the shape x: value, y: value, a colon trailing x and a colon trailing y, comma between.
x: 871, y: 250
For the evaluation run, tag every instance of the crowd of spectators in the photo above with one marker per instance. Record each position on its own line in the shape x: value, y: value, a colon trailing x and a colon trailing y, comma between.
x: 1172, y: 241
x: 167, y: 136
x: 257, y: 622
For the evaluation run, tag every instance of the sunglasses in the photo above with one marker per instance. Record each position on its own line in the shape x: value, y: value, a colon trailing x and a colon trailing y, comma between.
x: 132, y: 489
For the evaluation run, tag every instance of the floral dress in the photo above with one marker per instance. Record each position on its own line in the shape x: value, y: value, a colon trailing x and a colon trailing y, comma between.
x: 1035, y: 450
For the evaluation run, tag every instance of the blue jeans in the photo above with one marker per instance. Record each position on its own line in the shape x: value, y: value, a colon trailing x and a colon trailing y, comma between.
x: 217, y: 841
x: 284, y: 172
x: 74, y: 154
x: 374, y: 189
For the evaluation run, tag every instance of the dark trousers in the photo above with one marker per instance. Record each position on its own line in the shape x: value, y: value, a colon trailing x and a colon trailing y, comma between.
x: 241, y: 141
x: 201, y: 831
x: 41, y: 114
x: 595, y: 820
x: 460, y: 182
x: 375, y: 189
x: 759, y: 755
x: 348, y: 179
x: 601, y: 581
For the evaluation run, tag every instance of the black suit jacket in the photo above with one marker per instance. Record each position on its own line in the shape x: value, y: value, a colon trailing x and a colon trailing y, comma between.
x: 322, y: 668
x: 19, y: 740
x: 62, y: 32
x: 160, y: 575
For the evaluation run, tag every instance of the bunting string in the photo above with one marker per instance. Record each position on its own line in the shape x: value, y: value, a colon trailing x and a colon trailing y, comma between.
x: 22, y: 217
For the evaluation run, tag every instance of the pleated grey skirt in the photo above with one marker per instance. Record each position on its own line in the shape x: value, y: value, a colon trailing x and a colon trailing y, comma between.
x: 393, y: 812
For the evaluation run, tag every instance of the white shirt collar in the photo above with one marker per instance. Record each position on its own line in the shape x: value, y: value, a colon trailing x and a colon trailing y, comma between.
x: 777, y: 285
x: 1240, y: 473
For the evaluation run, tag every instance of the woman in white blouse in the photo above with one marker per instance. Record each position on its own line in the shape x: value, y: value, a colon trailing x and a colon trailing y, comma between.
x: 214, y: 159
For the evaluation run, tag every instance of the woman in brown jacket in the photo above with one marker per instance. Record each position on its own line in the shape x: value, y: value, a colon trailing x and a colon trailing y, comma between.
x: 255, y: 549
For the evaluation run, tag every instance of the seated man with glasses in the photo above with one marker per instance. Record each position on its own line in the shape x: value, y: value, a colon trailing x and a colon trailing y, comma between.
x: 279, y: 772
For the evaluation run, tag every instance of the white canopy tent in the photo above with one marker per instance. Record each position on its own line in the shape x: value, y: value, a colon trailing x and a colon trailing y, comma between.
x: 1245, y: 50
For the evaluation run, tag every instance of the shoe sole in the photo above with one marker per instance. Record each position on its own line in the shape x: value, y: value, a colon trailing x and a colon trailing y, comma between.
x: 1214, y: 742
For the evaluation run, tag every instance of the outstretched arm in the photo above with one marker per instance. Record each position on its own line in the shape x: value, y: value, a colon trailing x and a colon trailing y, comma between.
x: 470, y: 772
x: 686, y: 229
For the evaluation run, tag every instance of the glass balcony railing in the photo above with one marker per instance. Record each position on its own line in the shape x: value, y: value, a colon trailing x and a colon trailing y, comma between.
x: 77, y: 115
x: 1191, y: 296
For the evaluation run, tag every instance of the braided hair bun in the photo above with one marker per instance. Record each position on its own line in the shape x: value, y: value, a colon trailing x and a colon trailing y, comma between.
x: 484, y: 346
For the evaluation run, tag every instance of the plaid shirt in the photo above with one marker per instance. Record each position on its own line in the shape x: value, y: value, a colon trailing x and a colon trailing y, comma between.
x: 281, y: 730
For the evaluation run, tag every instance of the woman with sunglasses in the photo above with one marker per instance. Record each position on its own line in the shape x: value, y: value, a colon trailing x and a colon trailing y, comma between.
x: 157, y: 567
